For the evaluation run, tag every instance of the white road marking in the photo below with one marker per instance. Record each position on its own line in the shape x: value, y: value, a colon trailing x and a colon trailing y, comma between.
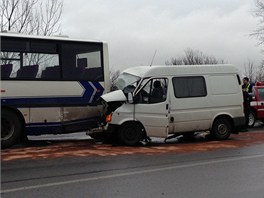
x: 131, y: 173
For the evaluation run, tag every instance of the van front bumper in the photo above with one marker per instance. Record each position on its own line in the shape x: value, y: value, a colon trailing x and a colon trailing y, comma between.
x: 108, y: 128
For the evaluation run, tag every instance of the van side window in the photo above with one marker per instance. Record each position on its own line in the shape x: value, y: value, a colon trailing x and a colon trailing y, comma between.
x: 191, y: 86
x: 154, y: 91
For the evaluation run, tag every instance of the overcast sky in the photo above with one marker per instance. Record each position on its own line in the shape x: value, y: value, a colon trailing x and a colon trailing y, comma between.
x: 134, y: 29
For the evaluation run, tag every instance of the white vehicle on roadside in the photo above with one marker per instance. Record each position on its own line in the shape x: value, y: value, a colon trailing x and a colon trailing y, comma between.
x: 160, y: 101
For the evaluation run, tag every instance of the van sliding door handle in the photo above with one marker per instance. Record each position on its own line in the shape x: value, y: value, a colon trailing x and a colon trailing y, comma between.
x: 167, y: 106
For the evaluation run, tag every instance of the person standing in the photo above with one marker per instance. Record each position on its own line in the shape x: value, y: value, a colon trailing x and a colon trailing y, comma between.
x: 247, y: 96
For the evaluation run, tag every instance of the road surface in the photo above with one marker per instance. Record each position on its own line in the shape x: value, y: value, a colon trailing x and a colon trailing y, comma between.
x: 232, y: 168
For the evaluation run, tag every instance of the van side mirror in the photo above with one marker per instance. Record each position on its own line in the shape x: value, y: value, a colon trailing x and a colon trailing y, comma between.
x: 130, y: 98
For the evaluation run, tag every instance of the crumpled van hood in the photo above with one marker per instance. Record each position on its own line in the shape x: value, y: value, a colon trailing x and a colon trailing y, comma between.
x: 115, y: 96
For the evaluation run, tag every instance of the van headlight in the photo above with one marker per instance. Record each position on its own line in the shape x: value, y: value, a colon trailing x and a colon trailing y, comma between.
x: 108, y: 118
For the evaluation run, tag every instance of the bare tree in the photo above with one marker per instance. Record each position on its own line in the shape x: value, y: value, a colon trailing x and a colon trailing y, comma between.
x: 31, y: 16
x: 254, y: 73
x: 194, y: 57
x: 113, y: 77
x: 260, y: 72
x: 259, y: 13
x: 250, y: 71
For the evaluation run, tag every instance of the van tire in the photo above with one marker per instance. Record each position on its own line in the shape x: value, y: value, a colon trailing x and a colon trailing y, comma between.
x: 130, y: 133
x: 11, y: 128
x: 251, y: 119
x: 221, y: 129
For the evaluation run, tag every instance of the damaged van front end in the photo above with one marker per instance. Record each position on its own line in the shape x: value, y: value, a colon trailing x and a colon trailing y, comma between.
x: 116, y: 108
x: 110, y: 101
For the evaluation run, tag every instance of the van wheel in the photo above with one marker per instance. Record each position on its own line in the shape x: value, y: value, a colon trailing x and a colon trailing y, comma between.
x: 251, y: 119
x: 130, y: 133
x: 11, y: 128
x: 221, y: 129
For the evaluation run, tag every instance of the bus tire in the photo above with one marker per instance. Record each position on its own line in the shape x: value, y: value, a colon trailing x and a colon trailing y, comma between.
x: 11, y: 128
x: 130, y: 133
x: 221, y: 129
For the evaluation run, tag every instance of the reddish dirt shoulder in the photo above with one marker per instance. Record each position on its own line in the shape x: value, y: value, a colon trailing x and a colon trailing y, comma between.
x: 87, y: 148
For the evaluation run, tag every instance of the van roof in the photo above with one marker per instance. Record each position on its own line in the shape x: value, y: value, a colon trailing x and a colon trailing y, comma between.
x: 169, y: 70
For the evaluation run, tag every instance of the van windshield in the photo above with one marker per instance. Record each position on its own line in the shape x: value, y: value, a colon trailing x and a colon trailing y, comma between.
x: 127, y: 82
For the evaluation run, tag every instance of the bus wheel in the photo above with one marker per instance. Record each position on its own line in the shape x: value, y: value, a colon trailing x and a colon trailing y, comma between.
x: 221, y: 129
x: 130, y: 133
x: 251, y: 119
x: 11, y: 128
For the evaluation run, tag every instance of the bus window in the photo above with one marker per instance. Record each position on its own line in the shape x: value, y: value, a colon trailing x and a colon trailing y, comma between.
x: 29, y: 60
x: 10, y: 64
x: 82, y: 62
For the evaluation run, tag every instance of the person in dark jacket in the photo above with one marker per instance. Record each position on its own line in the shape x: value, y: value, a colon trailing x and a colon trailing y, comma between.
x: 247, y: 96
x: 157, y: 92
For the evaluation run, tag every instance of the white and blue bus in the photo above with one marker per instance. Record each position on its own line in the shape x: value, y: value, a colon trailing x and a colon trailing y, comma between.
x: 50, y: 85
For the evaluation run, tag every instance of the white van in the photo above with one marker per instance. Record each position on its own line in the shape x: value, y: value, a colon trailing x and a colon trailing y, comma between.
x: 158, y: 101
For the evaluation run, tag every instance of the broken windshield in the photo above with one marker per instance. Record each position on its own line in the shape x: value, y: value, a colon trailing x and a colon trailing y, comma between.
x: 127, y: 82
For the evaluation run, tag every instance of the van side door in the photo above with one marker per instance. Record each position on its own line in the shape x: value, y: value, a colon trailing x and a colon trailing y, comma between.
x: 152, y: 107
x: 190, y: 107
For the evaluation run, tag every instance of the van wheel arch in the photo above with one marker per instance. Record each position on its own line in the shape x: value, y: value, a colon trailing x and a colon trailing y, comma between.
x: 227, y: 117
x: 224, y: 121
x: 139, y: 123
x: 127, y: 127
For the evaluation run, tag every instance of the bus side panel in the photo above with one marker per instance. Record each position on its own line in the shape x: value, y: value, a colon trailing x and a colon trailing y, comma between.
x: 81, y: 118
x: 79, y: 113
x: 50, y: 93
x: 53, y: 107
x: 45, y: 120
x: 25, y: 113
x: 57, y: 120
x: 46, y: 115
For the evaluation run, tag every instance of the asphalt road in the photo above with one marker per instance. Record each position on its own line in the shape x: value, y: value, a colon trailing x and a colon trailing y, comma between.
x: 228, y: 172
